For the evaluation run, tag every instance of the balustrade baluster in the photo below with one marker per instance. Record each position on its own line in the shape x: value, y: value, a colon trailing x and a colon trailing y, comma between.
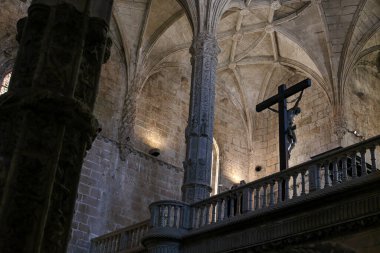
x: 208, y: 208
x: 219, y: 209
x: 318, y: 177
x: 112, y: 244
x: 257, y: 197
x: 213, y: 217
x: 160, y: 216
x: 363, y: 163
x: 136, y: 239
x: 295, y: 194
x: 226, y: 207
x: 353, y: 165
x: 128, y: 241
x: 238, y: 203
x: 112, y: 241
x: 200, y: 216
x: 169, y: 216
x: 185, y: 217
x: 287, y: 178
x: 175, y: 223
x: 271, y: 193
x: 373, y: 158
x: 194, y: 217
x: 203, y: 216
x: 279, y: 190
x: 118, y: 239
x: 132, y: 238
x: 107, y: 245
x: 344, y: 169
x: 327, y: 174
x: 303, y: 183
x: 232, y: 206
x: 265, y: 195
x: 100, y: 247
x: 116, y: 243
x: 247, y: 200
x: 335, y: 171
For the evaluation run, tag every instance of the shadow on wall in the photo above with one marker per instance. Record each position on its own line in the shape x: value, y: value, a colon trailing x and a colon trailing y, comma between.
x: 362, y: 99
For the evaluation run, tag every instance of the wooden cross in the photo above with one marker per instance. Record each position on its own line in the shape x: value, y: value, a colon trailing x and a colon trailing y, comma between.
x: 280, y: 98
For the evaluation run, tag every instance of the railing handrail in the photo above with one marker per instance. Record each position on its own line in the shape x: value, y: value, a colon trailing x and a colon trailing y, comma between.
x: 171, y: 202
x: 292, y: 170
x: 122, y: 230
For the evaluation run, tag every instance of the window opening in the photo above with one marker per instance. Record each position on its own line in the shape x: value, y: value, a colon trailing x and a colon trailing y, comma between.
x: 5, y: 83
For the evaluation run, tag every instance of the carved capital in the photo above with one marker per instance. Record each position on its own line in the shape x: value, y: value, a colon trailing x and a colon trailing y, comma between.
x: 205, y: 44
x: 340, y: 125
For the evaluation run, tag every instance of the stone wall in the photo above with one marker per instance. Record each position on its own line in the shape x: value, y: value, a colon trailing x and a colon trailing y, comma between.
x: 231, y: 135
x: 113, y: 194
x: 162, y: 112
x: 362, y: 103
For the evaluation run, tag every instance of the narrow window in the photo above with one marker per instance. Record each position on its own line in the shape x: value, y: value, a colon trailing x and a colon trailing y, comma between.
x: 5, y: 83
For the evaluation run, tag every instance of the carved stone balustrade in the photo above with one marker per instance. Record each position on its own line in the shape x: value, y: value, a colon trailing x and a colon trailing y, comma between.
x: 322, y: 197
x: 123, y: 240
x: 169, y: 224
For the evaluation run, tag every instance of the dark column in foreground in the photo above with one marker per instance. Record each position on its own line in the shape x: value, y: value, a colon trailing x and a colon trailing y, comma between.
x: 46, y: 123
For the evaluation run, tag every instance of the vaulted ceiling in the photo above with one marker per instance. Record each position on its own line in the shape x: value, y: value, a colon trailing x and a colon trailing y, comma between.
x: 263, y: 43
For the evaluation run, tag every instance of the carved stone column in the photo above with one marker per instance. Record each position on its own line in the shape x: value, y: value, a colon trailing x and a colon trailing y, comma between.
x: 46, y: 122
x: 204, y: 16
x: 199, y: 131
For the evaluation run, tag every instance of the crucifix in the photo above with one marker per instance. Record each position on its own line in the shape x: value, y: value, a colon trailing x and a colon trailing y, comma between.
x: 286, y: 127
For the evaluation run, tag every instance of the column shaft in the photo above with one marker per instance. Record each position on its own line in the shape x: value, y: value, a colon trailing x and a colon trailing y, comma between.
x: 48, y: 116
x: 199, y: 131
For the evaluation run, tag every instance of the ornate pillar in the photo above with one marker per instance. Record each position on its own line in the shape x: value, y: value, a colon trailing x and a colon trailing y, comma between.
x: 204, y: 16
x: 46, y: 121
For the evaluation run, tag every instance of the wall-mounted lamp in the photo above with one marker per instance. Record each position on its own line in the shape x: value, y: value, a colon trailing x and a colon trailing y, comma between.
x: 356, y: 133
x: 154, y: 152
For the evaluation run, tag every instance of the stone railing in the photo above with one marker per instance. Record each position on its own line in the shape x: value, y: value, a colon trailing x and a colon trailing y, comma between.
x: 173, y: 220
x: 123, y: 240
x: 170, y: 214
x: 325, y: 172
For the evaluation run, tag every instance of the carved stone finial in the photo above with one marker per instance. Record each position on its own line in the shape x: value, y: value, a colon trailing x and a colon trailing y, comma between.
x: 275, y: 5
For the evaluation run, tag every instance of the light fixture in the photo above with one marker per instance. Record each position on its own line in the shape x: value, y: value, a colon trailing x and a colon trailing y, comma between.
x: 154, y: 152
